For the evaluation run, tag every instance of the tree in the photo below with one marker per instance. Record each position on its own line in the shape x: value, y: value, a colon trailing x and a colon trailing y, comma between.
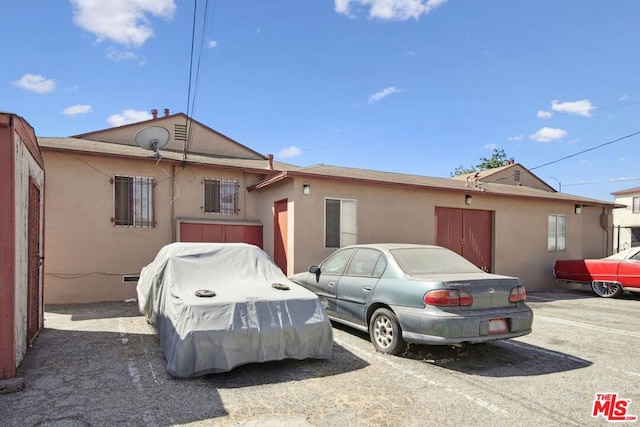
x: 497, y: 159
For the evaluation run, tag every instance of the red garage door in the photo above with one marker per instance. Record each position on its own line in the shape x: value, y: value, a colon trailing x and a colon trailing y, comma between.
x: 221, y: 233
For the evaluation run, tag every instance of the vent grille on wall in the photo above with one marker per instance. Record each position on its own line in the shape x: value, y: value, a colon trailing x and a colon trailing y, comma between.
x: 180, y: 132
x: 130, y: 279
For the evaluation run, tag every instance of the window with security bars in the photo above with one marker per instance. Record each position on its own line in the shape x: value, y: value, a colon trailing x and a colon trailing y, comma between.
x: 133, y: 201
x: 221, y: 196
x: 340, y: 222
x: 557, y: 234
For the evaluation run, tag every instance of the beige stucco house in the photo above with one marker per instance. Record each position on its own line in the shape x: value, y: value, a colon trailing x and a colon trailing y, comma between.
x: 626, y: 219
x: 510, y: 174
x: 112, y: 205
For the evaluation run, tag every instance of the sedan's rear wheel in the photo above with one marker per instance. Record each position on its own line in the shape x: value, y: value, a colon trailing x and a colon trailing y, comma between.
x: 607, y: 289
x: 385, y: 332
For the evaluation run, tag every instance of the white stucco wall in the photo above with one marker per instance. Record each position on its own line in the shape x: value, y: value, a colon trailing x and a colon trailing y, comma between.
x: 26, y: 166
x: 625, y: 218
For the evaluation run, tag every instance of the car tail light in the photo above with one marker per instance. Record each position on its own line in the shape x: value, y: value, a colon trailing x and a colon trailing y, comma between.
x: 448, y: 298
x: 517, y: 294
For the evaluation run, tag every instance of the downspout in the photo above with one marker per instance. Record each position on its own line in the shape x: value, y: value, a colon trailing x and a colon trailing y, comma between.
x: 172, y: 208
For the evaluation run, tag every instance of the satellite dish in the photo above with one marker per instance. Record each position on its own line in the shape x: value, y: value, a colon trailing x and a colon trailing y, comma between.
x: 152, y: 138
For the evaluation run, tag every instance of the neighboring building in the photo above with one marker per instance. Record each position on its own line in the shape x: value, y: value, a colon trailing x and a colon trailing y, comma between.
x: 112, y: 205
x: 626, y: 219
x: 511, y: 174
x: 21, y: 242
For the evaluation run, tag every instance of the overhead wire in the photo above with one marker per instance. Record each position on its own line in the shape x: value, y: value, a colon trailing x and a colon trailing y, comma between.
x: 587, y: 150
x: 577, y: 154
x: 194, y: 81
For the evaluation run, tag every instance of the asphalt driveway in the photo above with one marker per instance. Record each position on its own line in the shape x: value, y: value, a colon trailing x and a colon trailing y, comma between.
x: 100, y: 365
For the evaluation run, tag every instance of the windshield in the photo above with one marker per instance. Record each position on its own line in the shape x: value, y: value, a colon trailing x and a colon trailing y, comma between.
x: 432, y: 261
x: 631, y: 253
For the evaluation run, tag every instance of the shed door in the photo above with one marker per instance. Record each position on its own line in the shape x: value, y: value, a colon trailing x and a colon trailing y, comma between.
x: 34, y: 320
x: 467, y: 232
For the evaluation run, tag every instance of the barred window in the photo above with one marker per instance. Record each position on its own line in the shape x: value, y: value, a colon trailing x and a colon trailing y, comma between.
x: 133, y: 201
x: 221, y: 196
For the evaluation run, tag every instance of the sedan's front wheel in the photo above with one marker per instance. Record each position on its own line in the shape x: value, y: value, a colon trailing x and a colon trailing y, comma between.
x: 607, y: 289
x: 385, y: 332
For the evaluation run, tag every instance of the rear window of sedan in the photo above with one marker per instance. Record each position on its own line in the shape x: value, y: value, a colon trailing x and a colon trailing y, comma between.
x: 432, y: 261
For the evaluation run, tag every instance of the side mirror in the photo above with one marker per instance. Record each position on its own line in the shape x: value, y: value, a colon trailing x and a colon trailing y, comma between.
x: 315, y: 269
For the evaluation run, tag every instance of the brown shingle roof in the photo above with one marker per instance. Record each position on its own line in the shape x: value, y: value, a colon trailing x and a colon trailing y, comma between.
x: 322, y: 171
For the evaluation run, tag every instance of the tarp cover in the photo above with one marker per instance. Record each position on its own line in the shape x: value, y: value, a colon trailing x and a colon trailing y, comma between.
x: 247, y: 320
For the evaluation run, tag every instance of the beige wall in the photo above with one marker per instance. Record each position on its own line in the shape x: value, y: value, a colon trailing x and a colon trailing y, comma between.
x: 86, y: 255
x: 508, y: 176
x: 202, y: 140
x: 625, y: 218
x: 392, y: 214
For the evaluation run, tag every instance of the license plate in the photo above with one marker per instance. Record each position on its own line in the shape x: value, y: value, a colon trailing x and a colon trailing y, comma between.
x: 498, y: 326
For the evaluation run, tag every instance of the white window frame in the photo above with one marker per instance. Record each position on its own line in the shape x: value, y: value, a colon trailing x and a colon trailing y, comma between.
x: 557, y: 233
x: 348, y: 222
x: 227, y: 203
x: 140, y: 209
x: 635, y: 204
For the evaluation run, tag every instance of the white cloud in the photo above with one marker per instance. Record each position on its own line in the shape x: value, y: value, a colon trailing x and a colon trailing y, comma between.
x: 395, y: 10
x: 547, y: 134
x: 544, y: 114
x: 36, y: 83
x: 289, y: 152
x: 383, y: 94
x: 121, y: 55
x: 77, y: 109
x: 128, y: 116
x: 515, y: 138
x: 125, y: 22
x: 578, y: 108
x: 212, y: 44
x: 490, y: 147
x: 624, y: 97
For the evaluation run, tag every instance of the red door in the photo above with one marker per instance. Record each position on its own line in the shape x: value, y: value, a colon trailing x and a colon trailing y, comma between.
x: 34, y: 320
x: 280, y: 223
x: 467, y: 232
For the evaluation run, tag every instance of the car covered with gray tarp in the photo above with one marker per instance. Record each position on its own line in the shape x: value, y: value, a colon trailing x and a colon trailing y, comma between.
x: 216, y: 306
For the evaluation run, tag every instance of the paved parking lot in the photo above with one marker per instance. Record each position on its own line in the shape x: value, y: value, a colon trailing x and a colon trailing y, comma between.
x: 100, y: 365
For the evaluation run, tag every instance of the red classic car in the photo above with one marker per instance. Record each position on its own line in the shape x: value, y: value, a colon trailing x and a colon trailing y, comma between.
x: 609, y: 277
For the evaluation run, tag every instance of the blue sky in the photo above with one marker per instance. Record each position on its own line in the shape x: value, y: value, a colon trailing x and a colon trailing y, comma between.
x: 410, y: 86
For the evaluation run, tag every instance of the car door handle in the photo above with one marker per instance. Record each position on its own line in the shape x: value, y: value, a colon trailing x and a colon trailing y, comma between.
x: 331, y: 284
x: 367, y: 288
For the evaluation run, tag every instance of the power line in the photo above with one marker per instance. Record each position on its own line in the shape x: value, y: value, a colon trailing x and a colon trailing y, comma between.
x: 587, y: 150
x: 194, y: 81
x: 610, y: 181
